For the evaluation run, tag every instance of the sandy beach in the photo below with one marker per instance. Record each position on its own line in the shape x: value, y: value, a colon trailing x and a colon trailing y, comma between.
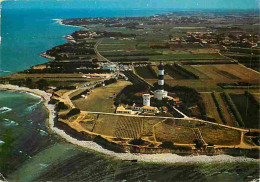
x: 158, y: 158
x: 59, y: 21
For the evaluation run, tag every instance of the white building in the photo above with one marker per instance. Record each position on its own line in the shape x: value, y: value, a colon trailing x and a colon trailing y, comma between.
x: 146, y: 99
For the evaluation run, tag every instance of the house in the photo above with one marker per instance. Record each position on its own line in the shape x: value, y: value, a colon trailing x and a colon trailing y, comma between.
x: 150, y: 109
x: 122, y: 110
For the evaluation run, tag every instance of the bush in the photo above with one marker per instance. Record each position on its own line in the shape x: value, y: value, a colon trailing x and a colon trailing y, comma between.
x: 167, y: 145
x: 138, y: 141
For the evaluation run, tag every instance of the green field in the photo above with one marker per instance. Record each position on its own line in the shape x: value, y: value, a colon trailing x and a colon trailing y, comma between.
x: 99, y: 99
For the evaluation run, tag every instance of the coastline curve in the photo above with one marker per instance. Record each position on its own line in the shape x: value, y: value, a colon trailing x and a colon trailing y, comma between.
x: 152, y: 158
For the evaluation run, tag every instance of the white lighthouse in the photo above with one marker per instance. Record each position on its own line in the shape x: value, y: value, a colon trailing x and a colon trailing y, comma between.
x: 146, y: 99
x: 160, y: 93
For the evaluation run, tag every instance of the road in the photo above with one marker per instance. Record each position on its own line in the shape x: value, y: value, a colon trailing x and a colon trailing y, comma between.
x: 97, y: 52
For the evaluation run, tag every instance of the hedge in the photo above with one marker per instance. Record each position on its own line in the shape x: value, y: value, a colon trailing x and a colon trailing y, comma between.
x: 219, y: 108
x: 234, y: 110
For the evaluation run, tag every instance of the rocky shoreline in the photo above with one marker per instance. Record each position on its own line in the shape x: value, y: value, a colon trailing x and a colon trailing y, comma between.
x: 157, y: 158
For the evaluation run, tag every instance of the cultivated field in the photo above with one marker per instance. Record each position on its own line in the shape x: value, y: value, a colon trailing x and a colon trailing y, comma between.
x: 229, y: 118
x: 228, y: 72
x: 211, y: 109
x: 99, y: 99
x: 129, y: 127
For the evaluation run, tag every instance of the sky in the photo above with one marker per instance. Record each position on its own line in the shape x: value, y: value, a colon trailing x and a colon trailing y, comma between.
x: 152, y: 4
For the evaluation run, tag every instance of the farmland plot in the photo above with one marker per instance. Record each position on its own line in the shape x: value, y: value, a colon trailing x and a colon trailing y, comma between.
x: 239, y: 71
x: 228, y: 118
x: 248, y: 110
x: 211, y: 109
x: 176, y: 134
x: 129, y: 127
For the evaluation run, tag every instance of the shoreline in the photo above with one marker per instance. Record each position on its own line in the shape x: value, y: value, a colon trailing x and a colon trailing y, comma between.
x: 166, y: 158
x: 59, y: 21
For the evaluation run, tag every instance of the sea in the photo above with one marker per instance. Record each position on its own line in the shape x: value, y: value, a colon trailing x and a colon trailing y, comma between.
x: 29, y: 151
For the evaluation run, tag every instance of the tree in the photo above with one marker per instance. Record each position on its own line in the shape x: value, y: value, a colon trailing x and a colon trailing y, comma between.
x: 29, y: 83
x: 42, y: 84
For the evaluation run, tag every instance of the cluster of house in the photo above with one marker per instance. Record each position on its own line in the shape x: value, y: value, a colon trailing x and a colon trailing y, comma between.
x: 88, y: 35
x: 213, y: 38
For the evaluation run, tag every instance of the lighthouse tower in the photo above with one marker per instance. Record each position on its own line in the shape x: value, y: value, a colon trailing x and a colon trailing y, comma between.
x: 160, y: 93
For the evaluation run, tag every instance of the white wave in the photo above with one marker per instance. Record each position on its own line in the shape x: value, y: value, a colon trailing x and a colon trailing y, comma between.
x: 43, y: 133
x: 10, y: 123
x: 31, y: 108
x: 4, y: 109
x: 2, y: 142
x: 158, y: 158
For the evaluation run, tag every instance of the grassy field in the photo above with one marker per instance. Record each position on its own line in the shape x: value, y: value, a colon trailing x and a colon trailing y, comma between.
x: 106, y: 125
x: 211, y: 109
x: 99, y: 100
x: 220, y: 136
x: 248, y: 110
x: 169, y: 131
x: 200, y: 74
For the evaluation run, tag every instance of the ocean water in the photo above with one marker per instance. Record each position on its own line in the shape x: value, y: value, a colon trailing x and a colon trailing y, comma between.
x: 30, y: 152
x: 28, y: 28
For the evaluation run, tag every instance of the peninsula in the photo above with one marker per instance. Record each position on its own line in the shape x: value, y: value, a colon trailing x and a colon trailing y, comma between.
x: 169, y: 83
